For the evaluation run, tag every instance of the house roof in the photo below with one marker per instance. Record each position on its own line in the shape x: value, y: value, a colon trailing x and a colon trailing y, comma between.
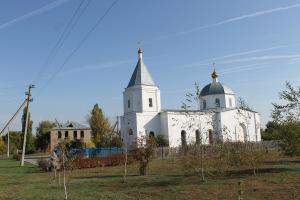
x: 72, y: 126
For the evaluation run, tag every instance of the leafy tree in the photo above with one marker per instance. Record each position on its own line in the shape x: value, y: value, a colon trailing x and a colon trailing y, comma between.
x: 145, y: 153
x: 29, y: 139
x: 76, y: 144
x: 290, y: 110
x: 43, y: 135
x: 100, y: 126
x: 290, y: 138
x: 287, y: 115
x: 271, y: 132
x: 3, y: 146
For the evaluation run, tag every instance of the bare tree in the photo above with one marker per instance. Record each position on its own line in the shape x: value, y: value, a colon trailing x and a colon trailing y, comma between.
x: 201, y: 120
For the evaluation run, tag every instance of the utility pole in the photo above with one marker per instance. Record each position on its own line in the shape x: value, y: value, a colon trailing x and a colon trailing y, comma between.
x: 26, y: 123
x: 7, y: 142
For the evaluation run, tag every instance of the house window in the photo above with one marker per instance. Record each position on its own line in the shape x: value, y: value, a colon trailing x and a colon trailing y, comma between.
x: 81, y: 134
x: 59, y: 134
x: 230, y: 102
x: 75, y: 134
x: 150, y: 102
x: 66, y: 134
x: 198, y: 138
x: 204, y: 104
x: 128, y: 103
x: 217, y: 102
x: 130, y: 131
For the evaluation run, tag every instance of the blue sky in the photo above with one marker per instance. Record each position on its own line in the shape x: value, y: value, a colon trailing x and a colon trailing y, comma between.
x: 255, y: 45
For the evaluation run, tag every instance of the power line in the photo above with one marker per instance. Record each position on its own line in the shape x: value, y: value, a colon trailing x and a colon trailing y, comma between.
x: 64, y: 35
x: 79, y: 45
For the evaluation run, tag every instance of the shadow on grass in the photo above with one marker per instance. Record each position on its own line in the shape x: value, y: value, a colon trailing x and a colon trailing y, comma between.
x: 283, y: 162
x: 103, y: 176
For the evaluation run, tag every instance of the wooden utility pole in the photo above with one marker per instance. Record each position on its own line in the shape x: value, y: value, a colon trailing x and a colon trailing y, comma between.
x: 26, y: 123
x: 7, y: 142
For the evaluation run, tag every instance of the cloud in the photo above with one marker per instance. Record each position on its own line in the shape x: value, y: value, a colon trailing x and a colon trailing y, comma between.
x: 262, y: 58
x: 245, y: 68
x: 106, y: 65
x: 230, y: 20
x: 38, y: 11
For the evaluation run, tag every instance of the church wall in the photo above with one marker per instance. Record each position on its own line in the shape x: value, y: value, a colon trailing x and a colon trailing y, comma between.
x: 128, y: 121
x: 134, y: 97
x: 147, y: 122
x: 153, y: 93
x: 210, y: 101
x: 240, y: 126
x: 227, y: 101
x: 179, y: 121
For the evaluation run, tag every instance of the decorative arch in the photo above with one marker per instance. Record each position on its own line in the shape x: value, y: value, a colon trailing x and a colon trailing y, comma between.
x: 241, y: 132
x: 183, y: 138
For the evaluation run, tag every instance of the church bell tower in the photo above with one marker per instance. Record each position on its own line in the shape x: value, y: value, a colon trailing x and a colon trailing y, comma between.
x: 141, y: 94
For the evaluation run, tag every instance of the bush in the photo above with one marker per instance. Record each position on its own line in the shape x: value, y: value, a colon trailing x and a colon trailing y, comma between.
x: 113, y: 160
x: 17, y: 157
x: 290, y: 138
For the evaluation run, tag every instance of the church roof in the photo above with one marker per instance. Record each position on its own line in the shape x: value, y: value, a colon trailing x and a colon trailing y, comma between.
x: 141, y: 75
x: 216, y: 88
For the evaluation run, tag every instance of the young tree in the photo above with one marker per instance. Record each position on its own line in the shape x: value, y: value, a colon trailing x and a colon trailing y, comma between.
x: 191, y: 100
x: 145, y: 153
x: 30, y: 139
x: 100, y: 126
x: 43, y: 135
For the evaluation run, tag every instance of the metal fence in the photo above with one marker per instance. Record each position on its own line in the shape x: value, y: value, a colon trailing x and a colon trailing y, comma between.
x: 93, y: 152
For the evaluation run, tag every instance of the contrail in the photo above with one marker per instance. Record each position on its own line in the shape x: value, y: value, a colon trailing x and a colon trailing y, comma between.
x: 230, y: 20
x: 205, y: 62
x: 38, y: 11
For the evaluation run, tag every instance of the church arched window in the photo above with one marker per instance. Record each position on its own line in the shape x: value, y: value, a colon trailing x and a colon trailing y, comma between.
x: 230, y: 102
x: 151, y: 134
x: 128, y: 103
x: 217, y: 102
x: 198, y: 137
x: 183, y: 138
x: 204, y: 104
x: 210, y: 136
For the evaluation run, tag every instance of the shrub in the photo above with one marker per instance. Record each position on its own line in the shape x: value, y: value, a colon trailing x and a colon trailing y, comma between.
x: 113, y: 160
x: 44, y: 165
x: 17, y: 157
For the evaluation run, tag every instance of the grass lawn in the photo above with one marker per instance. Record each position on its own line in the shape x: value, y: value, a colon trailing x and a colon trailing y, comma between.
x: 275, y: 181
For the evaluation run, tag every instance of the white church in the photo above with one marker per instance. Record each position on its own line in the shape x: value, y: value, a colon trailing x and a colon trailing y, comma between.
x: 218, y: 118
